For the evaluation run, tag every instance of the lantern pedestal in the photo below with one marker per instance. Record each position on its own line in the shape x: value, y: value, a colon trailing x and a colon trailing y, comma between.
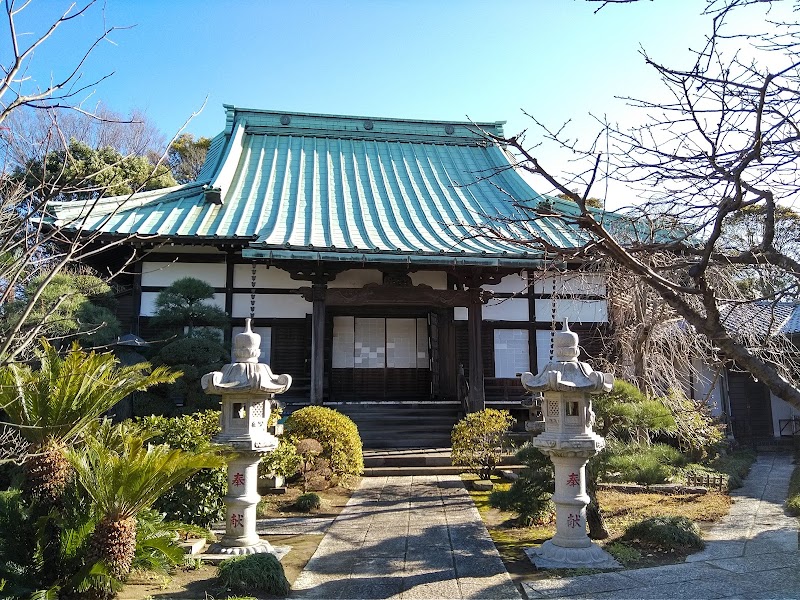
x: 569, y: 441
x: 247, y: 388
x: 570, y: 547
x: 240, y: 509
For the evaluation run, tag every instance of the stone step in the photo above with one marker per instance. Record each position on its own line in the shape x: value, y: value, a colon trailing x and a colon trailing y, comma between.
x: 408, y: 457
x: 402, y: 424
x: 417, y: 457
x: 378, y: 440
x: 402, y: 471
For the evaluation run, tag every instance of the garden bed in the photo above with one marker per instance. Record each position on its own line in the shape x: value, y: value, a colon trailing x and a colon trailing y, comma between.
x: 620, y: 509
x: 199, y: 580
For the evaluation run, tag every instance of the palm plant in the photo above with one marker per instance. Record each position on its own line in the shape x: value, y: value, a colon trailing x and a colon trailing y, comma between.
x: 52, y: 406
x: 124, y: 475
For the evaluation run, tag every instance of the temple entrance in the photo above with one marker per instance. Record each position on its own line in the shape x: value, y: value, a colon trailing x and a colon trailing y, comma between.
x: 381, y: 359
x: 751, y: 407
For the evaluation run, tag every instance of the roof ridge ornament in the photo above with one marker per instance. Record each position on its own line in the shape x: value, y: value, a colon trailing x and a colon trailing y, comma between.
x: 212, y: 195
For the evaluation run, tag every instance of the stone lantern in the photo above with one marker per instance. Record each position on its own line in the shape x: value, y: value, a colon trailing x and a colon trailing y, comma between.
x: 568, y: 439
x: 247, y: 388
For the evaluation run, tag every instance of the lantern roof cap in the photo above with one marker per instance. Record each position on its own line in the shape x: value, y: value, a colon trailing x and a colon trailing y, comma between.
x: 565, y: 373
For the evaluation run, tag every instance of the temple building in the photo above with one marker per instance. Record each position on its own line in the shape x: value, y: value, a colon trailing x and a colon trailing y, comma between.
x: 379, y: 258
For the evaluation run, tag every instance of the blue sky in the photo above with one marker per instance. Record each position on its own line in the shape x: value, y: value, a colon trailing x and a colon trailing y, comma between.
x: 431, y: 59
x: 425, y: 59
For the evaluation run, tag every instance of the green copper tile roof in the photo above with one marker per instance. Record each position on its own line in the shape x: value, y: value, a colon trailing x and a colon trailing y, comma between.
x: 342, y: 188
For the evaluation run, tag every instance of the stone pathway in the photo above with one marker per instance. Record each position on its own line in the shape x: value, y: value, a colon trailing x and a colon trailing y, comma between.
x: 751, y: 554
x: 407, y: 537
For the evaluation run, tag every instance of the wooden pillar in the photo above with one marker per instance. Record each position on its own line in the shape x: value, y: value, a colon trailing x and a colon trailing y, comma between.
x: 137, y: 294
x: 318, y: 289
x: 229, y: 266
x: 477, y: 398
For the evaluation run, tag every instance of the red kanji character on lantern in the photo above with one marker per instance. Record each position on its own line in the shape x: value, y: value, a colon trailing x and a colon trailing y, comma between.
x: 238, y: 480
x: 574, y: 520
x: 573, y: 480
x: 237, y: 520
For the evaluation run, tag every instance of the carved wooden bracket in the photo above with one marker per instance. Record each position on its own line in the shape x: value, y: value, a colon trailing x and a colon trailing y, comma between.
x: 479, y: 277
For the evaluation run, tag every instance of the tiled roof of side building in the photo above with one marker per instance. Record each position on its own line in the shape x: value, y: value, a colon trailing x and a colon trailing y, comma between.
x: 761, y: 319
x: 291, y: 184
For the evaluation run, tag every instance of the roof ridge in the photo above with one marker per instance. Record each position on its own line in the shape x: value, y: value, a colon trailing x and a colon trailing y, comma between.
x: 265, y: 111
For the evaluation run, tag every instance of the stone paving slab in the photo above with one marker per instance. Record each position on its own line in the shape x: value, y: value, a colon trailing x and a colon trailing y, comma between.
x: 421, y: 537
x: 672, y: 573
x: 418, y: 537
x: 579, y: 586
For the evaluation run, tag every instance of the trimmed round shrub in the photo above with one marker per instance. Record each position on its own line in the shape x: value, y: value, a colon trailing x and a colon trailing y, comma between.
x: 308, y: 502
x: 198, y: 500
x: 338, y: 435
x: 477, y: 440
x: 666, y: 532
x: 253, y: 574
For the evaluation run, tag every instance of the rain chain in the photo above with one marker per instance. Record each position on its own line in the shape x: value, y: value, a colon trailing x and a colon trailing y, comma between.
x: 253, y: 291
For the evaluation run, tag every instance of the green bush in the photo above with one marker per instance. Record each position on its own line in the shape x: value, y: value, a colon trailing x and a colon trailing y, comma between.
x: 308, y: 502
x: 149, y: 403
x: 341, y: 443
x: 733, y: 466
x: 194, y: 356
x: 283, y: 461
x: 253, y: 573
x: 645, y: 465
x: 697, y: 433
x: 623, y: 553
x: 793, y: 498
x: 197, y: 501
x: 666, y: 532
x: 477, y: 440
x: 627, y: 414
x: 530, y: 496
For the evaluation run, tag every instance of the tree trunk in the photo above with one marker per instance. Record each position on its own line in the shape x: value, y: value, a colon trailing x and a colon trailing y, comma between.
x: 594, y: 516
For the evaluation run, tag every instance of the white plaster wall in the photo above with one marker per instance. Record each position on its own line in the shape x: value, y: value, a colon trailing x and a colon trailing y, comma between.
x: 460, y: 313
x: 148, y: 308
x: 356, y: 278
x: 511, y: 352
x: 708, y: 386
x: 577, y: 311
x: 164, y: 274
x: 511, y: 284
x: 265, y: 278
x: 436, y: 279
x: 506, y: 309
x: 543, y: 348
x: 272, y: 306
x: 781, y: 410
x: 570, y: 283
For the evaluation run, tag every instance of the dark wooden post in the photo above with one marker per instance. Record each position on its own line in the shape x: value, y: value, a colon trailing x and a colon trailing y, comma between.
x: 477, y: 398
x: 318, y: 289
x: 229, y: 266
x: 137, y: 294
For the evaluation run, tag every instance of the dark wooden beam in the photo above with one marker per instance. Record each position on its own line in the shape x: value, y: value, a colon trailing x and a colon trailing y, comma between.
x: 389, y: 295
x: 229, y: 264
x: 477, y: 396
x: 318, y: 294
x: 137, y: 295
